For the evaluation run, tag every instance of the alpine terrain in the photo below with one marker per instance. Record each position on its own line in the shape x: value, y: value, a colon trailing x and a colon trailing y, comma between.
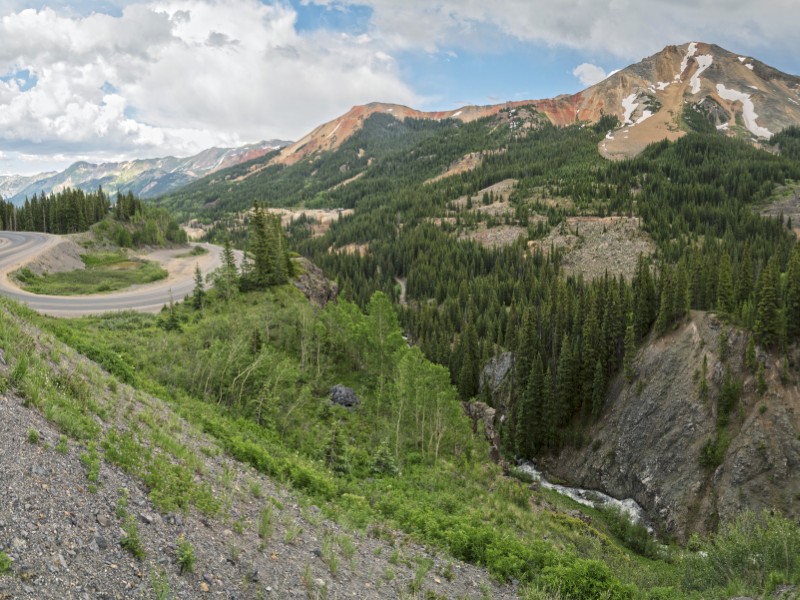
x: 544, y: 349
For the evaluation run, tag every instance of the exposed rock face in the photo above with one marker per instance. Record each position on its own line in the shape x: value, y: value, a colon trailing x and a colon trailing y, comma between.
x: 344, y: 396
x: 648, y: 443
x: 314, y: 285
x: 496, y: 372
x: 485, y: 414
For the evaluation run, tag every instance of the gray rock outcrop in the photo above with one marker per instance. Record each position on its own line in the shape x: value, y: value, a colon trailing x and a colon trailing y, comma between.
x: 344, y: 396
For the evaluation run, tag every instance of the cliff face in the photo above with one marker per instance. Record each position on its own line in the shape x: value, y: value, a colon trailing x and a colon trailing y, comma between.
x: 649, y: 443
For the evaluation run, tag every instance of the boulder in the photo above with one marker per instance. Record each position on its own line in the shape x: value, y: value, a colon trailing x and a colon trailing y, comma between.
x: 344, y: 396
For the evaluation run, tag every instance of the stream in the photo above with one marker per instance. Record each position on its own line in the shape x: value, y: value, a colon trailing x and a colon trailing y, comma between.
x: 591, y: 498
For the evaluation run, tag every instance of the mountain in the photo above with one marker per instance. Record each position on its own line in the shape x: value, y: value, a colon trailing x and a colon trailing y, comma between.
x: 146, y: 178
x: 695, y: 87
x: 737, y: 94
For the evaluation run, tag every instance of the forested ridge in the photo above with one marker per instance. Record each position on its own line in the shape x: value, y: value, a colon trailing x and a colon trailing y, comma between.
x: 697, y: 198
x: 123, y: 219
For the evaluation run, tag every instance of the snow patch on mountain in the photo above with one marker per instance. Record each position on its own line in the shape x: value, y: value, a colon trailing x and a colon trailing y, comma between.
x: 629, y: 104
x: 703, y: 62
x: 662, y: 85
x: 690, y: 51
x: 742, y: 59
x: 646, y: 114
x: 748, y: 110
x: 749, y: 66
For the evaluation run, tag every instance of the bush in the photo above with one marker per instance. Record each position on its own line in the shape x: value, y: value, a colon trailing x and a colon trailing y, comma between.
x: 752, y: 550
x: 584, y: 580
x: 185, y: 554
x: 131, y: 540
x: 5, y: 563
x: 33, y: 436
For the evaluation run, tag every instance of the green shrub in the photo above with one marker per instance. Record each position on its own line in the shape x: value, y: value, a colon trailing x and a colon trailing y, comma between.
x: 131, y: 540
x: 5, y: 563
x: 185, y: 554
x: 752, y: 550
x: 584, y: 580
x: 33, y: 436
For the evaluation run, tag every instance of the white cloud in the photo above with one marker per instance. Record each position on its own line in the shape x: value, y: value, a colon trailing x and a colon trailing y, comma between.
x: 629, y: 29
x: 589, y: 74
x: 178, y: 76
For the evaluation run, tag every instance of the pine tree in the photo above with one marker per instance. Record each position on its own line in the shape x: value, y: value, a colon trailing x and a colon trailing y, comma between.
x: 630, y: 353
x: 199, y: 294
x: 470, y: 363
x: 744, y: 285
x: 793, y: 296
x: 564, y: 383
x: 767, y: 325
x: 550, y: 411
x: 725, y: 297
x: 263, y: 260
x: 599, y: 390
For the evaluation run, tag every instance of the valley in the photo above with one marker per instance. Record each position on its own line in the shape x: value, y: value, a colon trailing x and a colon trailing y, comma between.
x: 394, y: 319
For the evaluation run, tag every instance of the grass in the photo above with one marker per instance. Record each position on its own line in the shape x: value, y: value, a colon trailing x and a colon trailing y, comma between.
x: 5, y: 563
x: 106, y: 272
x: 460, y: 504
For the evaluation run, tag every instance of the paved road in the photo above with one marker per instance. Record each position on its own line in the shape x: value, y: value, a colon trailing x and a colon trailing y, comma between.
x: 19, y: 248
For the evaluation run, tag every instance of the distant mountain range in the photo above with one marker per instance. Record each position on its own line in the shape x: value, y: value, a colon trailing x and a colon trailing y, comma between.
x: 146, y: 178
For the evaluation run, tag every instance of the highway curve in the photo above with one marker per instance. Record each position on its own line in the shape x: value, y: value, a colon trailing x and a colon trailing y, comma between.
x: 19, y: 248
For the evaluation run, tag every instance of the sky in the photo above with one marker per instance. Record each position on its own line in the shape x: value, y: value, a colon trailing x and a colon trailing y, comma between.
x: 115, y: 79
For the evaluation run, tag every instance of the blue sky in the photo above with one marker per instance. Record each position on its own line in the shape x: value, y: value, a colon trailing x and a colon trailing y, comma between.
x: 119, y: 79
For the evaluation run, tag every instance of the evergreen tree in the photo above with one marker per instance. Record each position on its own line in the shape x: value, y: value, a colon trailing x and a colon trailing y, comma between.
x: 793, y: 296
x: 744, y: 282
x: 564, y: 383
x: 470, y: 363
x: 599, y: 391
x: 767, y: 325
x: 199, y: 294
x: 630, y: 353
x: 725, y: 296
x: 550, y: 412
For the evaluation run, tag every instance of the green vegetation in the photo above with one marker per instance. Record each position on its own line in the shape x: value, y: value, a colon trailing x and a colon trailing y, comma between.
x: 195, y: 251
x: 126, y: 221
x: 5, y: 563
x: 69, y: 211
x: 253, y: 368
x: 106, y: 272
x: 33, y: 436
x: 185, y: 555
x: 131, y: 540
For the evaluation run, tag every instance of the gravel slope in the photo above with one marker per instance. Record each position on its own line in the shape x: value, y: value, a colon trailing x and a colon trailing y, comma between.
x: 65, y: 540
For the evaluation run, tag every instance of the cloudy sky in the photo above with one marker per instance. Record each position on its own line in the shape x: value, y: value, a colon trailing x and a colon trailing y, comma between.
x: 113, y: 79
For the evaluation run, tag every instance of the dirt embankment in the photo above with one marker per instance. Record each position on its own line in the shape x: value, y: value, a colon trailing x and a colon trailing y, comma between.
x: 66, y: 256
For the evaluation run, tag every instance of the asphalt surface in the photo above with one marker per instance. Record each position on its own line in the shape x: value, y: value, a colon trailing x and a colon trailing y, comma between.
x: 19, y: 248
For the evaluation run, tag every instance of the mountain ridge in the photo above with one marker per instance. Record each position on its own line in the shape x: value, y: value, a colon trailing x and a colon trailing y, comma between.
x: 146, y: 178
x: 665, y: 79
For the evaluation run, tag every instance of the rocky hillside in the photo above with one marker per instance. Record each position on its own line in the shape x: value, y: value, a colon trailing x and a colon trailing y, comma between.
x: 146, y: 178
x: 691, y: 87
x: 81, y: 519
x: 694, y: 437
